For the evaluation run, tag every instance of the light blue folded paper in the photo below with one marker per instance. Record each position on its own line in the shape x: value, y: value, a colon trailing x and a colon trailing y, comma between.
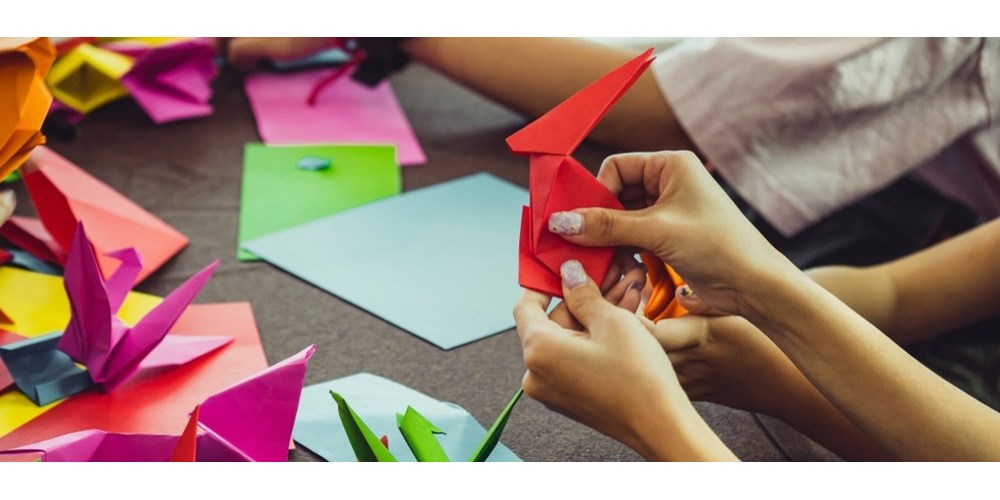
x: 439, y: 262
x: 377, y: 400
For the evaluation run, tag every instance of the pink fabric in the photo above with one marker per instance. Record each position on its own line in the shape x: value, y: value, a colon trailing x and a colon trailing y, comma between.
x: 801, y: 128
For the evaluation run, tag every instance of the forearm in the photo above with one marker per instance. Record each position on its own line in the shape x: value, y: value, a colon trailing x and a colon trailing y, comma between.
x: 809, y: 412
x: 531, y: 75
x: 678, y: 434
x: 870, y: 292
x: 887, y: 394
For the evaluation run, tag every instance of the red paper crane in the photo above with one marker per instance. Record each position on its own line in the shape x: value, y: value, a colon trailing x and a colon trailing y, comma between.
x: 559, y: 183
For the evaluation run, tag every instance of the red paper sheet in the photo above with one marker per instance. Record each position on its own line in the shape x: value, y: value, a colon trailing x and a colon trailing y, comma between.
x: 158, y: 402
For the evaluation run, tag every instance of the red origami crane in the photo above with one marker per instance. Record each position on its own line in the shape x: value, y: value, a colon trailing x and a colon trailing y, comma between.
x: 559, y: 183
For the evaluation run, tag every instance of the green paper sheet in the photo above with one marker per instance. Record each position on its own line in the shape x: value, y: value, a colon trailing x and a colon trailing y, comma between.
x: 366, y: 445
x: 419, y: 435
x: 493, y: 436
x: 278, y: 195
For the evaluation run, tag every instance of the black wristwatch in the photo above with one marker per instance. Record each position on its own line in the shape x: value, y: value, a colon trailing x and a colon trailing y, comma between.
x: 383, y: 57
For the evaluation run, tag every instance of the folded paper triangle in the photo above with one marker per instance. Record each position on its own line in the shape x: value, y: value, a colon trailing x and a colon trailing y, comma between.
x: 64, y: 195
x: 558, y: 182
x: 24, y: 63
x: 249, y: 421
x: 88, y: 77
x: 255, y: 417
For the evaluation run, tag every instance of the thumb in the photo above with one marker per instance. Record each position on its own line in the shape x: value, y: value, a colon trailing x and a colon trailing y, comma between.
x: 603, y: 227
x: 582, y: 296
x: 677, y: 334
x: 694, y: 303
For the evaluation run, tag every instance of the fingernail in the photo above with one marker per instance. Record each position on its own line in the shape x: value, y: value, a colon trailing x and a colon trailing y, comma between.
x: 686, y: 291
x: 572, y: 274
x: 566, y: 223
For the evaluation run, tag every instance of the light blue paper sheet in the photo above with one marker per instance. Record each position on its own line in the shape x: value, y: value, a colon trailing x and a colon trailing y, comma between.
x: 377, y: 400
x: 439, y: 262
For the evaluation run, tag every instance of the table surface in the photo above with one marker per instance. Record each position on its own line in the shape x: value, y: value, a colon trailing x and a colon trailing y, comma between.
x: 188, y: 173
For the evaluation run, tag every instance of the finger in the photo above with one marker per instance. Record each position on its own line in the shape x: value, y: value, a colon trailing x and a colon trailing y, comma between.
x: 582, y: 296
x: 603, y: 227
x: 613, y: 276
x: 631, y: 300
x: 7, y: 204
x: 529, y: 313
x: 560, y: 315
x: 631, y: 279
x: 676, y: 334
x: 694, y: 304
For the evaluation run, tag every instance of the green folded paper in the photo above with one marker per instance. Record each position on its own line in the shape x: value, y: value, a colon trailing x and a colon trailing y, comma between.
x: 285, y: 186
x: 417, y: 431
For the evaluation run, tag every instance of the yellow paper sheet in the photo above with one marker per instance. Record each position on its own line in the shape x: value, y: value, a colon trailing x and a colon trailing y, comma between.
x: 88, y: 77
x: 37, y: 304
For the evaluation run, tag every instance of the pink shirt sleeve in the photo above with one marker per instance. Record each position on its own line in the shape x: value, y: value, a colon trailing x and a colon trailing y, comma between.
x: 801, y: 128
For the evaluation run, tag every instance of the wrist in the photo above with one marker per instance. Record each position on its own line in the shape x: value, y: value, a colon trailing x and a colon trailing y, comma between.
x: 675, y: 432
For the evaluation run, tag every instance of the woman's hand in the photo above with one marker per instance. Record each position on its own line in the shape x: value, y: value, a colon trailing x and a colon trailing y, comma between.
x: 245, y: 53
x: 611, y: 374
x: 677, y: 211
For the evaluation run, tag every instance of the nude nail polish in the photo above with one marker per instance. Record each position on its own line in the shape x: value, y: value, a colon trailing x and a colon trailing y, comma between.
x: 572, y: 274
x: 568, y: 223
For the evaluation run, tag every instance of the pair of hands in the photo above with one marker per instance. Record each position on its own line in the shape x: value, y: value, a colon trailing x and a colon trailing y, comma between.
x: 608, y: 368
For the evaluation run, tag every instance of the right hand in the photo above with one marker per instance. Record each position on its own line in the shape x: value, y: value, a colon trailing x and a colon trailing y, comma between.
x: 245, y: 53
x: 677, y: 211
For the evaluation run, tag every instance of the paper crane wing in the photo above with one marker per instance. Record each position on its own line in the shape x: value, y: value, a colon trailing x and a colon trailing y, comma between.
x: 563, y: 128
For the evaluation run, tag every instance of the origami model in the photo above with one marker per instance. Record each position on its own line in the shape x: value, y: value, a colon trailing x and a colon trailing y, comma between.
x: 44, y: 368
x: 25, y: 102
x: 250, y: 421
x: 88, y: 77
x: 417, y: 431
x: 558, y: 182
x: 63, y: 195
x: 171, y: 81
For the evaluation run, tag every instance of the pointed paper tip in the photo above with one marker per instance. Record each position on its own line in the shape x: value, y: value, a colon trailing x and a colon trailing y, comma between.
x: 564, y: 127
x: 127, y: 255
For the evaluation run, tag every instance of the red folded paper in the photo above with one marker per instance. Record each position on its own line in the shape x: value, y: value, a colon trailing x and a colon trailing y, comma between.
x: 559, y: 183
x: 63, y: 195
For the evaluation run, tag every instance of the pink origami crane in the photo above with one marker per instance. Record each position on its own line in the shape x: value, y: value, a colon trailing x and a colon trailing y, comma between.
x: 43, y: 367
x: 171, y: 81
x: 250, y: 421
x: 558, y: 182
x: 112, y: 350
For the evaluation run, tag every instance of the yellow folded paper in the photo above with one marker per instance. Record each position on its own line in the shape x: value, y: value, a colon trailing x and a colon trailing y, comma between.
x: 88, y: 77
x: 35, y: 304
x: 24, y: 99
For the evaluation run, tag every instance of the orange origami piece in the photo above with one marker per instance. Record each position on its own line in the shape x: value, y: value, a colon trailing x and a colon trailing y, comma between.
x: 25, y: 102
x: 558, y: 182
x: 664, y: 282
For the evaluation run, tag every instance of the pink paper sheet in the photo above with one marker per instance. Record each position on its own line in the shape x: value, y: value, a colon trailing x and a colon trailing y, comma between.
x: 346, y: 112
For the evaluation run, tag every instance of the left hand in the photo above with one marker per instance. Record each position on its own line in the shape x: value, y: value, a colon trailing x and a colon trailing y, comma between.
x: 611, y: 374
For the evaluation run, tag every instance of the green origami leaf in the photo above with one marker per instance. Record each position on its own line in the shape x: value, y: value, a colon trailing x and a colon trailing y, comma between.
x: 366, y: 445
x: 492, y: 437
x: 419, y: 435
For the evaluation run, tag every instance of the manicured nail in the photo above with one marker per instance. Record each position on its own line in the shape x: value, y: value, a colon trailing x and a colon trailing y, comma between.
x: 566, y: 223
x: 686, y: 291
x: 572, y: 274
